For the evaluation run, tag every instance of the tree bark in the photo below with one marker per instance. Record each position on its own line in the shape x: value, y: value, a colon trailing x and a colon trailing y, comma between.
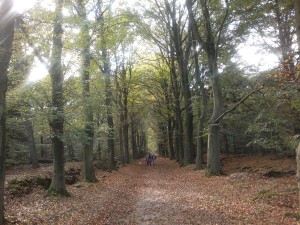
x: 42, y: 147
x: 106, y: 69
x: 57, y: 185
x: 70, y: 150
x: 183, y: 72
x: 170, y: 139
x: 297, y: 24
x: 178, y: 130
x: 126, y: 129
x: 284, y: 32
x: 110, y: 119
x: 298, y: 170
x: 124, y: 126
x: 134, y: 139
x: 178, y: 123
x: 7, y: 24
x: 214, y: 145
x: 297, y: 21
x: 31, y: 144
x: 121, y: 139
x: 202, y: 118
x: 88, y: 173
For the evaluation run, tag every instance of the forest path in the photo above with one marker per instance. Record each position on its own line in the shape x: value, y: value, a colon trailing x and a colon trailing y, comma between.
x: 163, y: 194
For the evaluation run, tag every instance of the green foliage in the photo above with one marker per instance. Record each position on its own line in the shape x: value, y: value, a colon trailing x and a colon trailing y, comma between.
x: 139, y: 41
x: 19, y: 188
x: 43, y: 181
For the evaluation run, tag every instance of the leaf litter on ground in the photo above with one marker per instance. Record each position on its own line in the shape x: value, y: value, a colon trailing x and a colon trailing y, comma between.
x: 162, y: 194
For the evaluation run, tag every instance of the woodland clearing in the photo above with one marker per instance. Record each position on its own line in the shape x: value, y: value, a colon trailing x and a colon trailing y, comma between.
x: 255, y: 190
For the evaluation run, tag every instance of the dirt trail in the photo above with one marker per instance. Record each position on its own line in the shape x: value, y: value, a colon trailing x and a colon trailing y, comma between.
x: 167, y: 194
x: 163, y: 194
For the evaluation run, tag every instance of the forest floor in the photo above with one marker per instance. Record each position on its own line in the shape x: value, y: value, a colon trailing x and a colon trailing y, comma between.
x: 255, y: 190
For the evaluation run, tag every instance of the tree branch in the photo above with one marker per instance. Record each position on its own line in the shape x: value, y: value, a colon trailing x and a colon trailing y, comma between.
x: 216, y: 121
x: 31, y: 44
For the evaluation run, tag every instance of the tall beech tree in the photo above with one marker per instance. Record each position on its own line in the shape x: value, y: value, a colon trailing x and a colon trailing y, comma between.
x: 297, y: 25
x: 122, y: 81
x: 56, y: 117
x: 211, y: 48
x: 210, y: 45
x: 123, y: 89
x: 178, y: 127
x: 88, y: 174
x: 297, y: 21
x: 7, y: 24
x: 182, y: 47
x: 105, y: 68
x: 57, y: 185
x: 203, y: 113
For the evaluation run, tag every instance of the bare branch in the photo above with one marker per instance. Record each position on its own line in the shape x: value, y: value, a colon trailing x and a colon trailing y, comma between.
x: 216, y: 121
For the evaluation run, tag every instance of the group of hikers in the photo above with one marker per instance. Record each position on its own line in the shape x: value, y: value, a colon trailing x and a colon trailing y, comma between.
x: 150, y: 159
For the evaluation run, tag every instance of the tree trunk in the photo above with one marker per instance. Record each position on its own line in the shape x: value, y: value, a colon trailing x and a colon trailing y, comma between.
x: 70, y: 149
x: 298, y: 169
x: 43, y: 154
x: 134, y: 140
x: 178, y: 132
x: 121, y: 140
x: 200, y: 144
x: 284, y: 33
x: 126, y: 142
x: 57, y: 185
x: 214, y: 145
x: 125, y: 122
x: 110, y: 120
x: 181, y: 58
x: 202, y: 118
x: 31, y: 144
x: 183, y: 72
x: 124, y: 126
x: 188, y: 119
x: 213, y: 153
x: 88, y: 173
x: 285, y: 36
x: 111, y: 165
x: 170, y: 139
x: 209, y: 45
x: 297, y: 22
x: 7, y: 24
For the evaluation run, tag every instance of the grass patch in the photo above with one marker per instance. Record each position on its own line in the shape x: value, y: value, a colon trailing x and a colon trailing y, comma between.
x: 293, y: 215
x: 267, y: 194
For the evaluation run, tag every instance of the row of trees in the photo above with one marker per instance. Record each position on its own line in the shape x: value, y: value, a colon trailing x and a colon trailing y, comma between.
x: 203, y: 83
x: 87, y: 50
x: 164, y: 76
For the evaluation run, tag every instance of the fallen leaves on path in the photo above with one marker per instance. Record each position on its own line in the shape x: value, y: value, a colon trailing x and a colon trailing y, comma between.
x: 161, y: 194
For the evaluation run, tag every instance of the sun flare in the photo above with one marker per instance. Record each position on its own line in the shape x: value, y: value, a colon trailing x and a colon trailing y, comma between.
x: 23, y: 5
